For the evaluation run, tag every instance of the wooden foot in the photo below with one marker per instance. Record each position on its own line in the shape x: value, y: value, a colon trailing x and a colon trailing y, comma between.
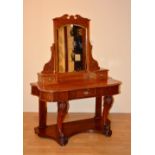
x: 106, y: 130
x: 108, y: 100
x: 63, y: 140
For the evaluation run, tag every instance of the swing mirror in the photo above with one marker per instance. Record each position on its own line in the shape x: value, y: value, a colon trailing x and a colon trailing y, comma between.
x: 71, y: 48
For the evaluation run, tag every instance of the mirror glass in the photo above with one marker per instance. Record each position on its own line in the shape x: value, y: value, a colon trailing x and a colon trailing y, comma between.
x: 71, y: 48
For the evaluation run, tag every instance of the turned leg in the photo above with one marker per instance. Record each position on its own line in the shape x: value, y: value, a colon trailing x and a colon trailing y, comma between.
x: 98, y: 107
x: 62, y: 111
x: 42, y: 114
x: 108, y: 100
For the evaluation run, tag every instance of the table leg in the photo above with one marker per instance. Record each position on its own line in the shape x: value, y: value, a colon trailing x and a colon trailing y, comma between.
x: 98, y: 107
x: 62, y: 111
x: 108, y: 100
x: 42, y: 114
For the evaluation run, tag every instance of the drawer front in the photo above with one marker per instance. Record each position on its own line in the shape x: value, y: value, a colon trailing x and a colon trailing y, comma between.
x: 83, y: 93
x: 113, y: 90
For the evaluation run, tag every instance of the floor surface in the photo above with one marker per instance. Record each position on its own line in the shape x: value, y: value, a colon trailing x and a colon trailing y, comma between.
x: 81, y: 144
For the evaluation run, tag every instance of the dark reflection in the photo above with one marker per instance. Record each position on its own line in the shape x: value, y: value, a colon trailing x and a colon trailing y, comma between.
x: 71, y: 45
x: 78, y: 48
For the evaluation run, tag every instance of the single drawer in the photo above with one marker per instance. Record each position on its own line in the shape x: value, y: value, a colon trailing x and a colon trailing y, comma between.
x: 83, y: 93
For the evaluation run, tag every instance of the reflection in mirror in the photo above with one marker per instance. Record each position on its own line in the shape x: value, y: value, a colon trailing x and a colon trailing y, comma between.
x: 71, y: 48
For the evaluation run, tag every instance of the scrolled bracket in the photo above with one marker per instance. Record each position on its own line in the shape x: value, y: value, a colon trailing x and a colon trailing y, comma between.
x: 49, y: 67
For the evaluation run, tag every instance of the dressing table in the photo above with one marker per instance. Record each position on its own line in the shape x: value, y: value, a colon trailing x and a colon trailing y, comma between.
x: 70, y: 74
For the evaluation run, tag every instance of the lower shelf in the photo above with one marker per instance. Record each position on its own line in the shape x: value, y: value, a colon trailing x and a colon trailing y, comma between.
x: 74, y: 127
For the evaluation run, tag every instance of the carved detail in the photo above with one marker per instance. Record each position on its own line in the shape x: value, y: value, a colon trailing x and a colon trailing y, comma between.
x: 93, y: 65
x: 70, y: 17
x: 63, y: 140
x: 106, y: 130
x: 65, y: 16
x: 49, y: 66
x: 78, y: 16
x: 108, y: 100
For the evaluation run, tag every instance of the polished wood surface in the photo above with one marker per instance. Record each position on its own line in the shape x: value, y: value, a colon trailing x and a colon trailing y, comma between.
x: 61, y: 132
x: 75, y: 89
x: 81, y: 144
x: 76, y: 85
x: 53, y: 86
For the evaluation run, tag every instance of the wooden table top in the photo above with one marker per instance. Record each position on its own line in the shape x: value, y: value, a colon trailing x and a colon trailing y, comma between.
x: 82, y: 84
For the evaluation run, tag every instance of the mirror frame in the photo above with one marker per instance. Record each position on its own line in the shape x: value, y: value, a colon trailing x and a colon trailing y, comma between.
x: 52, y: 66
x: 66, y: 20
x: 65, y: 52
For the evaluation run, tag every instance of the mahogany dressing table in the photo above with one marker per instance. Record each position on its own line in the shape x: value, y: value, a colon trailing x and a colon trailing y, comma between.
x: 71, y: 74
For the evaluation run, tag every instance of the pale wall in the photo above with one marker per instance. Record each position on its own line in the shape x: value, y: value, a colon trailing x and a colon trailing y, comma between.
x: 110, y: 37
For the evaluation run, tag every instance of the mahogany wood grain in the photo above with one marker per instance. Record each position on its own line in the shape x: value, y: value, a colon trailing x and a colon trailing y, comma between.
x: 62, y: 94
x: 53, y: 86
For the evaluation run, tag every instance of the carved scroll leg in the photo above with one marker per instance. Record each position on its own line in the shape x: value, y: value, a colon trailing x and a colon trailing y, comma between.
x: 42, y: 114
x: 108, y: 100
x: 62, y: 111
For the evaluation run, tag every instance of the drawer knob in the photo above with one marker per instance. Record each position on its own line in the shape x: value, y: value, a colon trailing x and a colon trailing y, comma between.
x: 86, y: 92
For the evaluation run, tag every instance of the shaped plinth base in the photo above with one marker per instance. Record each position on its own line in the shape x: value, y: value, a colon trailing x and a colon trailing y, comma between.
x: 72, y: 128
